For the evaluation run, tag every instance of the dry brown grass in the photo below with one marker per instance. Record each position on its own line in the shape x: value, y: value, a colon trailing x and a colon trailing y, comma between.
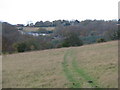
x: 44, y: 69
x: 29, y: 29
x: 101, y: 62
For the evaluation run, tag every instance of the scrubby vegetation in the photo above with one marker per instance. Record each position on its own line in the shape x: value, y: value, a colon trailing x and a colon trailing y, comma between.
x: 100, y: 40
x: 65, y: 34
x: 72, y: 40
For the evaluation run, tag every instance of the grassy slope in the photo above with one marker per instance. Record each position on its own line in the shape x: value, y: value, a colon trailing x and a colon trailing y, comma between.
x: 65, y: 67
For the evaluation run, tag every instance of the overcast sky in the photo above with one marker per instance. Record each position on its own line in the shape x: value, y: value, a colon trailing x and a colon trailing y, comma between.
x: 22, y: 11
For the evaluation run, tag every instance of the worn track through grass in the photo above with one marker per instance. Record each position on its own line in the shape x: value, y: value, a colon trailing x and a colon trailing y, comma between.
x: 68, y: 73
x: 81, y: 73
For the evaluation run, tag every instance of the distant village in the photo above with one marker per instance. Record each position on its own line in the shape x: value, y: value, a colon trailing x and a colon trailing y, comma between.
x: 32, y: 29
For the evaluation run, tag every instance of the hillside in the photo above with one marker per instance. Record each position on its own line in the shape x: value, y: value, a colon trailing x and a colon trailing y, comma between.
x: 94, y: 65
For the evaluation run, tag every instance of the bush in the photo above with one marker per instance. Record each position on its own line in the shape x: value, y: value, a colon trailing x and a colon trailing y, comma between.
x: 32, y: 44
x: 101, y: 40
x: 72, y: 40
x: 90, y: 39
x: 20, y: 47
x: 29, y: 45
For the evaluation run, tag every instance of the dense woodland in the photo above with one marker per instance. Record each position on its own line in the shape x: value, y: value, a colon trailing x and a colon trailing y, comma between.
x: 66, y: 34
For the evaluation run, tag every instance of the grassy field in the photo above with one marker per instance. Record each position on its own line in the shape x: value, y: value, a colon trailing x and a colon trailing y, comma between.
x: 29, y: 29
x: 88, y: 66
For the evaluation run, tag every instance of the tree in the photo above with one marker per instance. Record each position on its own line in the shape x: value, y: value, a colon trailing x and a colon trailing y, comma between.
x: 47, y: 24
x: 39, y: 24
x: 72, y: 40
x: 10, y: 35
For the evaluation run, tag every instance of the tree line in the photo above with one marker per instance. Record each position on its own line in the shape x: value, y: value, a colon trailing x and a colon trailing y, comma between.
x: 54, y: 23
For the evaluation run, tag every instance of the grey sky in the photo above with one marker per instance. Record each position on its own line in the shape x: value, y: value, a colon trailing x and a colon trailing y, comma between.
x: 22, y: 11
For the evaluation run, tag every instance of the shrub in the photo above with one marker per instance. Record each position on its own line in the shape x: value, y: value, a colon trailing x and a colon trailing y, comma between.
x: 72, y: 40
x: 20, y: 47
x: 32, y: 44
x: 101, y: 40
